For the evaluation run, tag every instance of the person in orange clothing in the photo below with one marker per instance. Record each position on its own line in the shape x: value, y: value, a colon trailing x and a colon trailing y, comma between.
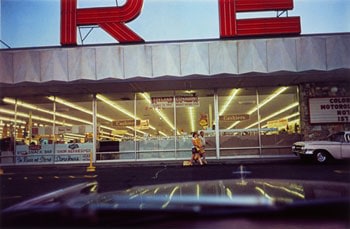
x: 196, y: 149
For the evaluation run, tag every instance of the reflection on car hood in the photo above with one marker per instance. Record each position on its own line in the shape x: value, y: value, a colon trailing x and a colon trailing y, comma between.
x: 193, y: 196
x: 235, y: 193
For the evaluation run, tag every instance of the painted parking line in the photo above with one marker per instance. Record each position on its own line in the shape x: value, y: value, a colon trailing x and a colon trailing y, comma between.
x: 342, y: 171
x: 53, y: 177
x: 11, y: 197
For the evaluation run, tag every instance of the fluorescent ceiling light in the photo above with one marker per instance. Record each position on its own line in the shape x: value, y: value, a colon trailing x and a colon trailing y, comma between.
x: 191, y: 115
x: 263, y: 103
x: 164, y: 117
x: 114, y: 105
x: 50, y: 112
x: 58, y: 100
x: 11, y: 120
x: 75, y: 135
x: 268, y: 99
x: 139, y: 131
x: 34, y: 117
x: 233, y: 95
x: 119, y: 108
x: 76, y: 107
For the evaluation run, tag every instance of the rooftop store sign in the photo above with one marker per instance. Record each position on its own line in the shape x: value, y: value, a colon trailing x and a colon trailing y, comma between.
x: 113, y: 19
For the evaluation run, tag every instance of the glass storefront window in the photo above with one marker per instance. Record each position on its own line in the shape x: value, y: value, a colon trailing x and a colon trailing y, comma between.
x: 238, y: 116
x: 73, y: 128
x: 33, y: 130
x: 8, y: 125
x: 262, y: 121
x: 157, y: 129
x: 149, y: 125
x: 51, y: 129
x: 279, y: 112
x: 117, y: 135
x: 194, y: 113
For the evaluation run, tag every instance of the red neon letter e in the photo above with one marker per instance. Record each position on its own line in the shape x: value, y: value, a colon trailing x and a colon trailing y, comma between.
x: 232, y: 27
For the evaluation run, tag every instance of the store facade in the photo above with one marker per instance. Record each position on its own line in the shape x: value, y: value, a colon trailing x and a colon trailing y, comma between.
x: 141, y: 102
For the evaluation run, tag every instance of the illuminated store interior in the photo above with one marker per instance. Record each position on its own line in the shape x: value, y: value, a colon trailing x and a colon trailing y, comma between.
x: 238, y: 122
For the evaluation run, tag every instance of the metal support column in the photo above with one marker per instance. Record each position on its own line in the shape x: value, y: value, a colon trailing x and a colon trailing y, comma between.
x: 94, y: 127
x: 216, y: 118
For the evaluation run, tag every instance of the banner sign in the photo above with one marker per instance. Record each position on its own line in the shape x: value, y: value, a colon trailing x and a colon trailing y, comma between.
x: 73, y: 152
x: 168, y: 102
x: 113, y: 19
x: 329, y: 110
x: 277, y: 123
x: 50, y: 153
x: 234, y: 117
x: 34, y: 153
x: 123, y: 123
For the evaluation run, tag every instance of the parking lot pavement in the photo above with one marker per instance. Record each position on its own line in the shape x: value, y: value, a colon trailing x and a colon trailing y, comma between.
x: 19, y: 183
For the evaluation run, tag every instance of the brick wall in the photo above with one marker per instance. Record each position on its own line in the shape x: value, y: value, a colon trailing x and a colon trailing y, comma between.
x: 309, y: 90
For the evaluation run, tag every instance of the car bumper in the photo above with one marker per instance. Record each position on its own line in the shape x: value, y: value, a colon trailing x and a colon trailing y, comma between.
x: 303, y: 152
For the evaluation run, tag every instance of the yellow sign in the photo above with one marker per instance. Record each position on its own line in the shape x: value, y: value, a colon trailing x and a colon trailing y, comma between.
x: 123, y: 123
x: 277, y: 123
x: 203, y: 120
x: 144, y: 125
x: 119, y: 132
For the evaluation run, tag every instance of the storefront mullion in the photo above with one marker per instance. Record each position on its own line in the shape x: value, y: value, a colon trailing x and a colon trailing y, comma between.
x: 136, y: 142
x: 175, y: 125
x: 15, y: 125
x: 217, y: 124
x: 54, y: 110
x: 259, y: 118
x: 94, y: 127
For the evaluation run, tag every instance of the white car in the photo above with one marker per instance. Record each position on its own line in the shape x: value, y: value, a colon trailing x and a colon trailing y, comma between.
x: 337, y: 147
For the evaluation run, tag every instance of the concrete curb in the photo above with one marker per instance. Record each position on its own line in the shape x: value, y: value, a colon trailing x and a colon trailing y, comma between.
x: 168, y: 163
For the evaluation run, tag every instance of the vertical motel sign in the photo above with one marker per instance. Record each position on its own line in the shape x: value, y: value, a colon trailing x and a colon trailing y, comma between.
x: 113, y: 19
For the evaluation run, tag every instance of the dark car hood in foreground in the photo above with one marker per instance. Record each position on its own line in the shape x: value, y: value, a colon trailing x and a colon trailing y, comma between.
x: 83, y: 205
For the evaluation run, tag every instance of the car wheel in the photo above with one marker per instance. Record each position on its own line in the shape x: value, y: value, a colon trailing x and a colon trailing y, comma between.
x: 322, y: 156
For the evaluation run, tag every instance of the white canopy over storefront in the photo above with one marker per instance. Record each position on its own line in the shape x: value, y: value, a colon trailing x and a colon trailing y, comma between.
x: 289, y: 60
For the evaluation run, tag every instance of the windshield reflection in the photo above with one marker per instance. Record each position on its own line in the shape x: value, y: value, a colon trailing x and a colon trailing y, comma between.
x: 220, y: 193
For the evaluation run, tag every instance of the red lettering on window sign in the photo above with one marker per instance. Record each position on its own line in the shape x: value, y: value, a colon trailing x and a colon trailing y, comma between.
x: 232, y: 27
x: 110, y: 19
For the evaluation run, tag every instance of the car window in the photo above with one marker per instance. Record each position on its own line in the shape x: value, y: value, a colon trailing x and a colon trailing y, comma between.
x: 339, y: 137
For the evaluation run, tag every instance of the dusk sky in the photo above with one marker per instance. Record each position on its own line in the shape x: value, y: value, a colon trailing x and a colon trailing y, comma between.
x: 36, y: 23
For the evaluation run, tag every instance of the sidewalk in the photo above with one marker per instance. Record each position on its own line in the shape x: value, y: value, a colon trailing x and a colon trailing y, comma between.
x: 163, y: 163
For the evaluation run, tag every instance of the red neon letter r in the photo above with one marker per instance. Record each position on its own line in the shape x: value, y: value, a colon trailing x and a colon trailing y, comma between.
x: 110, y: 19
